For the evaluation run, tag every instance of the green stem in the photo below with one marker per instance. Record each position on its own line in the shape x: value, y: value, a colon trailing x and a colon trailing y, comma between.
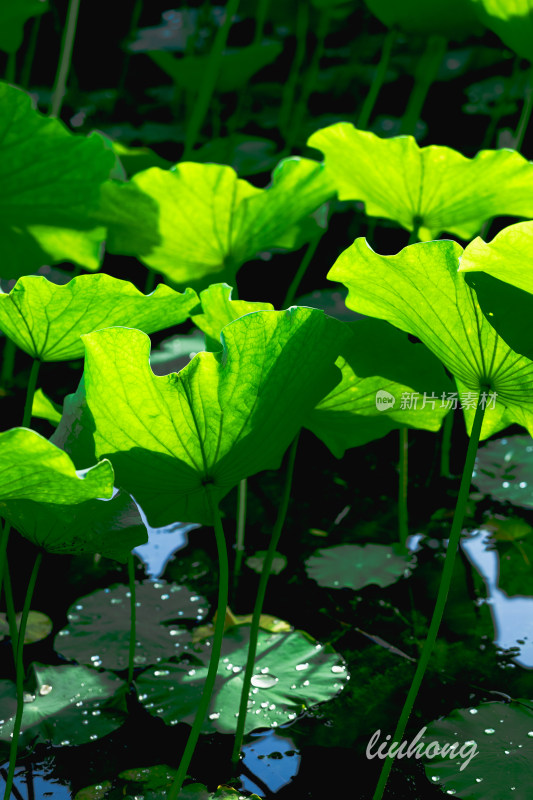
x: 67, y: 44
x: 259, y: 600
x: 134, y: 22
x: 446, y: 446
x: 309, y: 82
x: 10, y: 611
x: 20, y: 676
x: 425, y: 73
x: 302, y: 269
x: 223, y: 590
x: 201, y: 105
x: 379, y: 77
x: 403, y: 525
x: 30, y: 392
x: 260, y: 18
x: 239, y: 538
x: 444, y: 587
x: 525, y: 116
x: 289, y: 88
x: 4, y: 538
x: 30, y: 53
x: 8, y: 362
x: 133, y: 618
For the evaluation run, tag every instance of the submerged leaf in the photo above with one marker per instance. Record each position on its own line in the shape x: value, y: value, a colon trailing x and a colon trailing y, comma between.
x: 420, y: 291
x: 222, y: 418
x: 197, y: 223
x: 353, y: 566
x: 46, y: 320
x: 292, y: 673
x: 98, y: 632
x: 429, y: 189
x: 51, y: 183
x: 66, y: 705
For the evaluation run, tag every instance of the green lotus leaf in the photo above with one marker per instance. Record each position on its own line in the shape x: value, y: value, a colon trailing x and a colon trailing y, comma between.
x: 38, y: 626
x: 387, y: 382
x: 199, y: 223
x: 504, y: 470
x: 236, y: 66
x: 255, y: 562
x: 13, y: 15
x: 291, y: 674
x: 515, y: 559
x: 420, y: 291
x: 492, y: 757
x: 109, y: 527
x: 51, y: 182
x: 353, y: 566
x: 451, y: 18
x: 429, y: 189
x: 511, y: 20
x: 224, y: 417
x: 99, y: 624
x: 504, y: 288
x: 31, y: 468
x: 66, y: 705
x: 47, y: 320
x: 218, y: 310
x: 44, y: 408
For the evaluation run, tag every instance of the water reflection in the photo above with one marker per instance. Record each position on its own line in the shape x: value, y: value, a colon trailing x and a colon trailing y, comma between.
x: 512, y: 616
x: 272, y: 758
x: 162, y: 544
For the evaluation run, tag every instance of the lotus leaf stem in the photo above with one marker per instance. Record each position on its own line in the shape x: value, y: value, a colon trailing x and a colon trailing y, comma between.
x: 8, y: 362
x: 302, y: 269
x: 446, y: 445
x: 289, y: 87
x: 242, y: 490
x: 209, y: 685
x: 201, y: 104
x: 378, y: 80
x: 67, y: 44
x: 30, y: 392
x: 133, y: 617
x: 259, y: 600
x: 425, y: 73
x: 444, y: 587
x: 20, y: 675
x: 403, y: 525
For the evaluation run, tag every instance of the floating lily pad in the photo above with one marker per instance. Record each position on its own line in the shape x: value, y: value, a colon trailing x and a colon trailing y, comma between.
x: 99, y: 624
x: 66, y: 705
x: 292, y: 673
x: 46, y: 320
x: 494, y: 755
x: 353, y: 566
x: 255, y: 562
x: 504, y: 470
x: 38, y: 626
x: 51, y: 182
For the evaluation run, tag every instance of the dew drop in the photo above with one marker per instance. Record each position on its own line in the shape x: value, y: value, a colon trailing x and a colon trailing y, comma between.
x: 261, y: 681
x: 45, y: 689
x: 159, y: 672
x: 214, y: 715
x: 489, y: 730
x: 299, y: 667
x: 473, y: 710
